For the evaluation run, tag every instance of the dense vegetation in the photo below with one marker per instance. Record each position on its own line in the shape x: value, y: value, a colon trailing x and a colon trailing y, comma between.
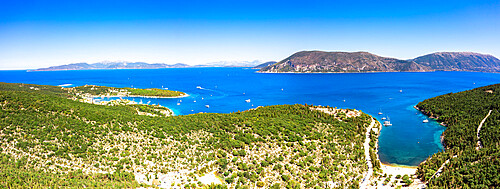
x: 49, y: 137
x: 469, y: 165
x: 113, y: 91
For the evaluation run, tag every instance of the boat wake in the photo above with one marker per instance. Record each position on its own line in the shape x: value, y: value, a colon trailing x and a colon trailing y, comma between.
x: 65, y: 85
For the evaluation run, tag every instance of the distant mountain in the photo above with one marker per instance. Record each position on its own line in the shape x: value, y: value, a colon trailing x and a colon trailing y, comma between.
x: 231, y: 64
x: 320, y: 61
x: 112, y: 65
x: 265, y: 64
x: 459, y: 61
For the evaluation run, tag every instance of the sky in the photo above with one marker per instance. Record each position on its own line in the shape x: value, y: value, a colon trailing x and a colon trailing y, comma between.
x: 36, y: 34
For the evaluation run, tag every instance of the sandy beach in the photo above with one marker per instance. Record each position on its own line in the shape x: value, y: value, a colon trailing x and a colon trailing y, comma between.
x: 398, y: 169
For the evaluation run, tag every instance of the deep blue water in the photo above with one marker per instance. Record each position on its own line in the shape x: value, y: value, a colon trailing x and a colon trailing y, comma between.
x: 407, y: 142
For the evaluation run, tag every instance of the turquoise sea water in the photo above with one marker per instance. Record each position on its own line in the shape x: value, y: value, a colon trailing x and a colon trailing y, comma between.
x: 407, y: 142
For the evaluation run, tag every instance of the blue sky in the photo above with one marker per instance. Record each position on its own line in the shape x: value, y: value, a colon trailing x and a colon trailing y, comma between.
x: 36, y: 34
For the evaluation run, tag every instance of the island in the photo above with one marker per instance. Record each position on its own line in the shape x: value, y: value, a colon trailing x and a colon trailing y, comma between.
x: 356, y: 62
x: 472, y: 139
x: 51, y: 139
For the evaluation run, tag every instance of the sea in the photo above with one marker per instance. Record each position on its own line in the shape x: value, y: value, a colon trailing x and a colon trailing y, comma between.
x: 407, y: 142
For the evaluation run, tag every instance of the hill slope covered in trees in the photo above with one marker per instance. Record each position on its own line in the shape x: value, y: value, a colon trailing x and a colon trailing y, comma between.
x: 49, y: 139
x: 470, y: 165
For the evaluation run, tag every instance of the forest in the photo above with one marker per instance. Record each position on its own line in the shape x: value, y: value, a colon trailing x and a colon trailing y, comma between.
x: 470, y: 164
x: 54, y: 140
x: 127, y: 91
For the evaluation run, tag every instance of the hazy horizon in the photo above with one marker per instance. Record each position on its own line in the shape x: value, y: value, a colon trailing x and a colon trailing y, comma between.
x: 37, y: 34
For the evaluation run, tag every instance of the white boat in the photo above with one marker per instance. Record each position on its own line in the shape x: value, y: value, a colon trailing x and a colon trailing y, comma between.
x: 198, y: 87
x: 247, y: 100
x: 380, y: 113
x: 194, y: 101
x: 384, y: 118
x: 401, y: 90
x: 178, y: 103
x: 387, y: 123
x: 180, y: 100
x: 207, y: 106
x: 425, y: 121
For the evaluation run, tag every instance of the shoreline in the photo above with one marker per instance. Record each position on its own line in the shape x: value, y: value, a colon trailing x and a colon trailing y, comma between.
x: 390, y: 171
x: 398, y: 166
x: 346, y: 72
x: 139, y: 96
x: 428, y: 71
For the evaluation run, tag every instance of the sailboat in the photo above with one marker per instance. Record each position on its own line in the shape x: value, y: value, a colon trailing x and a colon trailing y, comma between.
x: 425, y: 121
x: 247, y: 100
x: 387, y: 123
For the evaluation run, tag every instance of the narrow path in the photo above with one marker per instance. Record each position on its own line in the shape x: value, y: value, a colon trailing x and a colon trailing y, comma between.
x: 438, y: 172
x: 366, y: 145
x: 479, y: 145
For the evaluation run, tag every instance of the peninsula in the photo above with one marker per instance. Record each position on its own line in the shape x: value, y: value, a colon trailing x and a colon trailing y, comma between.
x: 472, y: 142
x: 355, y: 62
x: 102, y: 91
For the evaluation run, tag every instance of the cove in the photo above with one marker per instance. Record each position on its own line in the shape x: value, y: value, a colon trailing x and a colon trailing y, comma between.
x: 408, y: 141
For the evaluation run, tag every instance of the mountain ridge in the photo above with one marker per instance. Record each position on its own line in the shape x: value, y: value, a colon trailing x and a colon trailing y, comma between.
x: 111, y: 65
x: 347, y: 62
x: 106, y: 65
x: 265, y: 64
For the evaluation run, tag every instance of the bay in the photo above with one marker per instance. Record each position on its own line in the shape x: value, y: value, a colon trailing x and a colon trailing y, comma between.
x: 408, y: 141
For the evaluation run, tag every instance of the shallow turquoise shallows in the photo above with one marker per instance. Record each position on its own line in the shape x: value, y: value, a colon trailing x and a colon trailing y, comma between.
x: 408, y: 141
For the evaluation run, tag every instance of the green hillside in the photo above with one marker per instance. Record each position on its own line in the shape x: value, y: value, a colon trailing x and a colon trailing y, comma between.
x: 49, y: 139
x: 470, y: 165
